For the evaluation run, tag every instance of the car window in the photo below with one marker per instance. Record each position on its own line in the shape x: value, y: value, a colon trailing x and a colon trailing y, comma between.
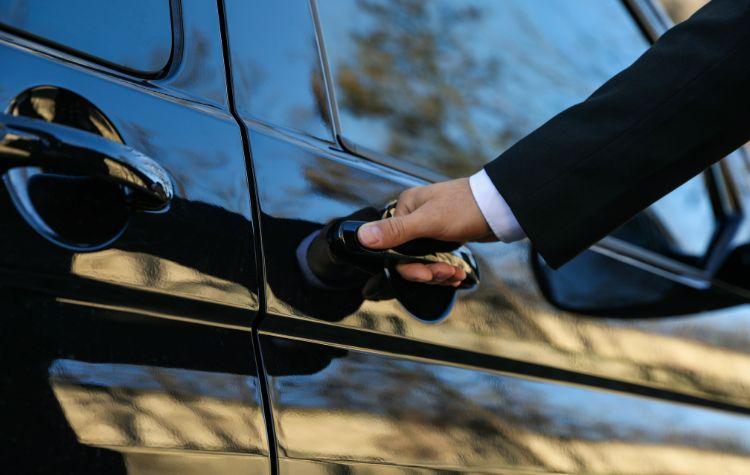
x: 132, y: 34
x: 451, y: 84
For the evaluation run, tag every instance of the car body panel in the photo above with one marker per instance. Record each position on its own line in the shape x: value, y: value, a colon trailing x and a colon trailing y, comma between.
x: 196, y: 344
x: 505, y: 326
x: 363, y: 412
x: 138, y: 358
x: 202, y: 246
x: 97, y: 390
x: 507, y: 317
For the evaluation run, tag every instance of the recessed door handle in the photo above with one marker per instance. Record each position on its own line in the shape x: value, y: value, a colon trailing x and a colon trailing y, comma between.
x: 26, y: 142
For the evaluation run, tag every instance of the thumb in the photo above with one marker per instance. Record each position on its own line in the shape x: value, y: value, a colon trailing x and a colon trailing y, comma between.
x: 389, y: 233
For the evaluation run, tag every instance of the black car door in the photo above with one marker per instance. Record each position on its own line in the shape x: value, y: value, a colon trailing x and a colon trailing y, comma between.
x: 127, y: 277
x: 346, y: 103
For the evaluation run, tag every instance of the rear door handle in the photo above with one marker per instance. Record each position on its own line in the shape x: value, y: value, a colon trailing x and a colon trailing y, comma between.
x: 26, y: 142
x: 344, y: 241
x: 333, y: 259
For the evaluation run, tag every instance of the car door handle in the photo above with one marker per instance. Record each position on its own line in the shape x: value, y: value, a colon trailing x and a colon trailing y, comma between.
x: 333, y: 256
x: 26, y: 142
x: 344, y: 242
x: 333, y: 259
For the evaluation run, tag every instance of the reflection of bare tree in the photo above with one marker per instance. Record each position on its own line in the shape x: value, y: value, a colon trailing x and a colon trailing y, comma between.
x: 164, y: 420
x: 367, y: 406
x: 140, y: 408
x: 326, y: 178
x: 415, y: 71
x: 318, y: 88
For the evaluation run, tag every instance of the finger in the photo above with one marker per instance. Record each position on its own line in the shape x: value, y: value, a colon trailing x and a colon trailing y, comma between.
x: 457, y: 278
x: 408, y: 201
x: 392, y: 232
x: 415, y: 272
x: 436, y: 274
x: 460, y: 275
x: 404, y: 204
x: 441, y: 271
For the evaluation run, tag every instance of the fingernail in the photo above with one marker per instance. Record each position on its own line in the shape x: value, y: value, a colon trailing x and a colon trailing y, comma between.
x: 441, y: 276
x: 369, y: 234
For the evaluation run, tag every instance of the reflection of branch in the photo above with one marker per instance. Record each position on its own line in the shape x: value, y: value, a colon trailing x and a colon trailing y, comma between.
x: 414, y: 71
x: 423, y: 411
x: 144, y: 407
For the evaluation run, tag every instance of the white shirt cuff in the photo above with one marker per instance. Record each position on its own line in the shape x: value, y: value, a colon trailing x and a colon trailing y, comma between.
x: 496, y: 211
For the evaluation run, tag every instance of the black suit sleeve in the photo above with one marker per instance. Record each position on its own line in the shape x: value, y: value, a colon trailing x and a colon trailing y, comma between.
x: 680, y: 107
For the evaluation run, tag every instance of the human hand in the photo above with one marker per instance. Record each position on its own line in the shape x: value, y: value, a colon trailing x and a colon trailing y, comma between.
x: 445, y: 211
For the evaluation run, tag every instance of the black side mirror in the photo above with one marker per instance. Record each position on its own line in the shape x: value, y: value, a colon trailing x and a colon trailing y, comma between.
x: 598, y: 285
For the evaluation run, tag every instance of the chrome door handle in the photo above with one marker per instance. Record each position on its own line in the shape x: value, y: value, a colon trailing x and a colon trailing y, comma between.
x: 26, y: 142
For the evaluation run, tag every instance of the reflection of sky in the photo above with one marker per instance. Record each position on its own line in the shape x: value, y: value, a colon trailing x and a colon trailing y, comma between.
x: 283, y: 187
x: 132, y: 33
x: 688, y: 216
x: 275, y: 63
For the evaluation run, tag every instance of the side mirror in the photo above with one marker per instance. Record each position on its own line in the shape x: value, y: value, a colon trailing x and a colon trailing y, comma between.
x: 598, y: 285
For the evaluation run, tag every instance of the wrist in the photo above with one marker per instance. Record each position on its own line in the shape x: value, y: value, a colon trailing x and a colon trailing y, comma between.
x: 495, y: 211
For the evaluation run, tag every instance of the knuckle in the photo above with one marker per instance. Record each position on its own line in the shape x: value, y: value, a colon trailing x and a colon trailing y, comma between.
x: 396, y: 227
x: 406, y: 199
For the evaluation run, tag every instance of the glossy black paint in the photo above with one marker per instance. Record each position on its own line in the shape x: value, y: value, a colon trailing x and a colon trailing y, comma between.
x: 135, y: 356
x: 174, y: 350
x: 341, y: 410
x: 89, y: 389
x: 201, y: 248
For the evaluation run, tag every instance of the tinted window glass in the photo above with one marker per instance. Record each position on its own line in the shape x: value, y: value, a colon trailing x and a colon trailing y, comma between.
x: 275, y: 65
x: 451, y: 84
x: 134, y: 34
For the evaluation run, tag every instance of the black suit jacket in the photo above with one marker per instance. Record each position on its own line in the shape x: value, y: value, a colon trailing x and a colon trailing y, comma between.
x: 680, y: 107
